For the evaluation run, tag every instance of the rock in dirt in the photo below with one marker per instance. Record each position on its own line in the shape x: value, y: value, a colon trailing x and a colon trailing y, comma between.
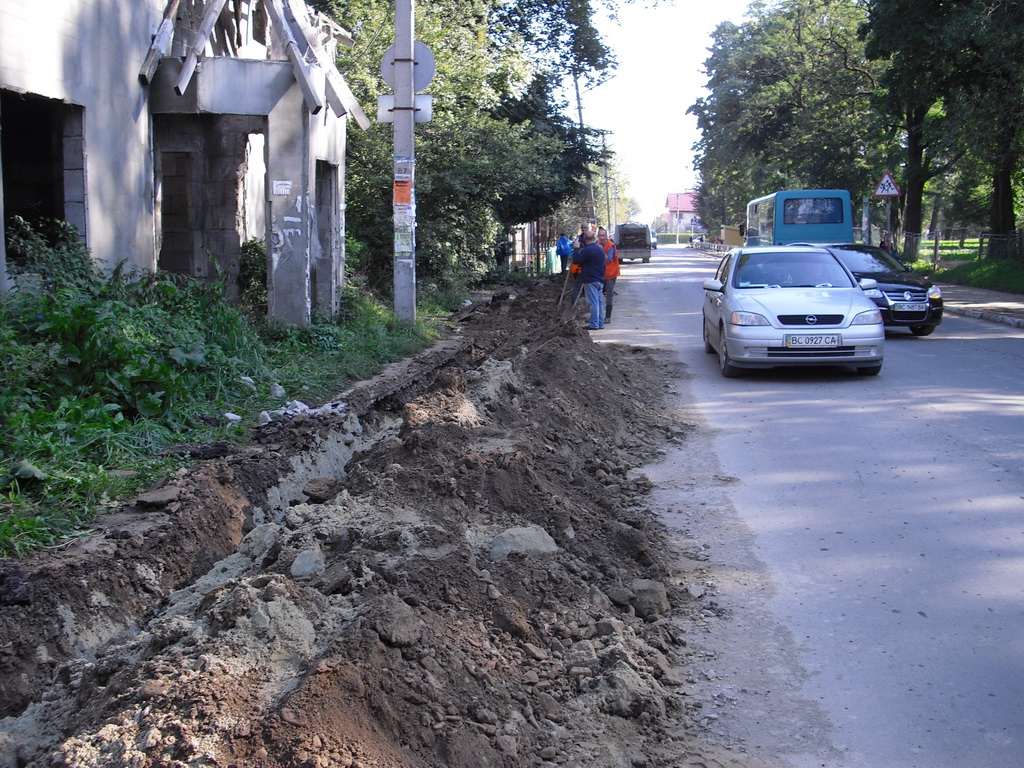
x: 529, y: 541
x: 14, y: 588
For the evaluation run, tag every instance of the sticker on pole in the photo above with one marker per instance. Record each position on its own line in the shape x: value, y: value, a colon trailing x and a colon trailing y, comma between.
x: 887, y: 186
x: 402, y: 192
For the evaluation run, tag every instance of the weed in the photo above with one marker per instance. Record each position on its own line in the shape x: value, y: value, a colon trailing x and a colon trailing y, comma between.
x: 100, y: 373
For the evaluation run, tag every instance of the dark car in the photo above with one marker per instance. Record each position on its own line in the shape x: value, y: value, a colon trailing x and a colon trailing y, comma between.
x: 907, y: 300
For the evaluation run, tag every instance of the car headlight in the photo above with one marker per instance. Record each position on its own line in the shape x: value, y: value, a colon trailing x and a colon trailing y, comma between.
x: 934, y: 292
x: 871, y: 317
x: 747, y: 318
x: 873, y: 293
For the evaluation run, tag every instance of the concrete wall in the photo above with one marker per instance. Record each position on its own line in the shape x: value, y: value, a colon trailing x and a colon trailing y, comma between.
x: 88, y: 53
x: 327, y: 146
x: 124, y: 142
x: 304, y: 274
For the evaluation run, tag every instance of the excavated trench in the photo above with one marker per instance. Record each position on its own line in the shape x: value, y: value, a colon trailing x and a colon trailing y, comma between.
x: 89, y: 592
x: 452, y: 564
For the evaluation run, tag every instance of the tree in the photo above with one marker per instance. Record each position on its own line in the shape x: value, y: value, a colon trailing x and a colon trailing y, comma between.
x: 956, y: 80
x: 913, y: 37
x: 497, y: 151
x: 559, y: 31
x: 990, y: 88
x: 789, y: 107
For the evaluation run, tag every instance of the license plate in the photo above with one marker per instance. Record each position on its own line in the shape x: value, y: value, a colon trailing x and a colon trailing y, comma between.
x: 817, y: 340
x: 910, y: 306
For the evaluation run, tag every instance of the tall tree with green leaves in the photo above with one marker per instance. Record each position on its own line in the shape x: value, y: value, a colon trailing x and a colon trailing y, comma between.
x: 789, y: 107
x: 989, y: 92
x: 913, y: 37
x: 956, y: 83
x: 498, y: 150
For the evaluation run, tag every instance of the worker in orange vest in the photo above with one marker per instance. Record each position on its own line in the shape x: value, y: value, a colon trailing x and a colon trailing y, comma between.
x: 611, y: 270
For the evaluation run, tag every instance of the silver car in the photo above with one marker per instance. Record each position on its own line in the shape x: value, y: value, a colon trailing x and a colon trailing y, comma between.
x: 782, y: 306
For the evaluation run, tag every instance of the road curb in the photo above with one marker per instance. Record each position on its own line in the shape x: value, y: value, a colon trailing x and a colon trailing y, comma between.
x: 983, y: 315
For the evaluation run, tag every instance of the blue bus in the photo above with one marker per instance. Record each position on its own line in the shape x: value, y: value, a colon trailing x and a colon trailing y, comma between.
x: 800, y: 216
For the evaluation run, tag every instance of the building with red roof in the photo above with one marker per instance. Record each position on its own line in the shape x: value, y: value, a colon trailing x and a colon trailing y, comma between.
x: 682, y: 212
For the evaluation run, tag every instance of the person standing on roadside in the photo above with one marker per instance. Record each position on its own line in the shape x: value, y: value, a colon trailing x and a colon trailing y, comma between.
x: 591, y: 261
x: 579, y: 238
x: 611, y: 270
x: 577, y: 284
x: 564, y: 250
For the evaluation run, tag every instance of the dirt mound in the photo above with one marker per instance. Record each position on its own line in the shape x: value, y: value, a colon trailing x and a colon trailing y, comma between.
x: 478, y: 584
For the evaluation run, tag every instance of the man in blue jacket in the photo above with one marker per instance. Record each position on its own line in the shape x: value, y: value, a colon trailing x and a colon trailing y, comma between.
x: 564, y: 250
x: 591, y: 261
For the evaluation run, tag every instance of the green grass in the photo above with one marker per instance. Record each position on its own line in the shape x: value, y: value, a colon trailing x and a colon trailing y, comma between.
x: 949, y: 250
x: 1006, y: 274
x: 1002, y: 275
x: 99, y: 374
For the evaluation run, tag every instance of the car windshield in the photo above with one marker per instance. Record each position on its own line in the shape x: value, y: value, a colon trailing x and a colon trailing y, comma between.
x: 789, y: 270
x: 869, y: 260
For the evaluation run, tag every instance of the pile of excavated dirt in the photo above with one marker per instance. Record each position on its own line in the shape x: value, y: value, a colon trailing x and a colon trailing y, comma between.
x: 468, y: 575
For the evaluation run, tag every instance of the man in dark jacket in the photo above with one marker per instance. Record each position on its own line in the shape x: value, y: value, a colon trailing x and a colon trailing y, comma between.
x: 591, y: 261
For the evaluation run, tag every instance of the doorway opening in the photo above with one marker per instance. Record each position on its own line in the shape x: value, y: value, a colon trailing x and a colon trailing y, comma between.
x: 42, y: 157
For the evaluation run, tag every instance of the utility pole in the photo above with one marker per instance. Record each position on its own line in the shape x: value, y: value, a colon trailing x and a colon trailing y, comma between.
x: 404, y: 191
x: 591, y: 205
x: 610, y: 220
x: 407, y: 66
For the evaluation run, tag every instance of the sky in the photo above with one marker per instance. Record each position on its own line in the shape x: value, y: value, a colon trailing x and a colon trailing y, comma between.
x: 661, y: 53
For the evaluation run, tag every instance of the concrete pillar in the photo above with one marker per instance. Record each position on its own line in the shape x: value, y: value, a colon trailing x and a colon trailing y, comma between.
x: 289, y: 195
x: 5, y: 284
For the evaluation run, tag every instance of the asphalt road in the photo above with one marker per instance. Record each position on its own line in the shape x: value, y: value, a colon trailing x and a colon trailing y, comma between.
x: 869, y: 533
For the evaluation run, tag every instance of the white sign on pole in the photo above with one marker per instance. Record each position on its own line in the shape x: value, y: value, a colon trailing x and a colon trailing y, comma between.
x: 887, y: 187
x: 423, y: 70
x: 423, y: 111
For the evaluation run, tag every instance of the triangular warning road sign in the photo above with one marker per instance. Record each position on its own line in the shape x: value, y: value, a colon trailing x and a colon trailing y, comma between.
x: 887, y: 187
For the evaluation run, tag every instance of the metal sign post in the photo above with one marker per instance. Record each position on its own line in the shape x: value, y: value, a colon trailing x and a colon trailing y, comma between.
x: 403, y: 193
x: 407, y: 67
x: 888, y: 189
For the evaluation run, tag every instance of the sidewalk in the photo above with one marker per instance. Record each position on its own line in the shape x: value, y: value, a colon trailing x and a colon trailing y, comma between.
x: 984, y: 304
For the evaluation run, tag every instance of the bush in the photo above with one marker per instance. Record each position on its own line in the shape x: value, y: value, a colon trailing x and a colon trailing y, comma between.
x: 50, y: 252
x: 100, y: 373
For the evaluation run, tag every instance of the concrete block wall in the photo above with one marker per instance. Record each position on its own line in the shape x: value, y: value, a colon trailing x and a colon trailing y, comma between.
x: 86, y: 54
x: 116, y: 134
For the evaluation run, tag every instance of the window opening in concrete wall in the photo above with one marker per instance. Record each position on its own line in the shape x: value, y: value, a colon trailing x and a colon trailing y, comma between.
x: 177, y: 246
x: 254, y: 209
x: 42, y: 154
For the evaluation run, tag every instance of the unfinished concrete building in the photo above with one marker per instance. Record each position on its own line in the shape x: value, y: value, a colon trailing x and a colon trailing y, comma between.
x: 170, y: 132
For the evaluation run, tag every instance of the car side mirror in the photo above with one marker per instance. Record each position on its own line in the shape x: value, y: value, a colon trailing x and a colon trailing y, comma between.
x: 710, y: 284
x: 868, y: 283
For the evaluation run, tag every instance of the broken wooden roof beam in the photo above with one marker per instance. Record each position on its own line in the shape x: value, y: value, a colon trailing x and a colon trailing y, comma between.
x: 198, y: 44
x: 161, y: 42
x: 300, y: 68
x: 339, y: 96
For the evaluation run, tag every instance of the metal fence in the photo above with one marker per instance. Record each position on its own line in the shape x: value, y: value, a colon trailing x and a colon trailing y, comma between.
x: 961, y: 245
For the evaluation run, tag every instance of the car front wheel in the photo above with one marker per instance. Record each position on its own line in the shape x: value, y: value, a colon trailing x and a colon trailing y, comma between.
x: 729, y: 370
x: 922, y: 330
x: 707, y: 342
